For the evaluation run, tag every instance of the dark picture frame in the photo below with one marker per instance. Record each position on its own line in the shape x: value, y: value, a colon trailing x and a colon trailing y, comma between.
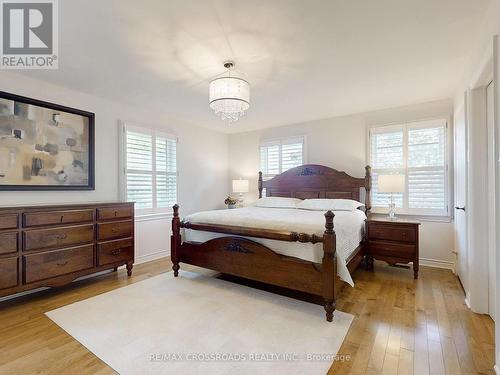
x: 90, y: 185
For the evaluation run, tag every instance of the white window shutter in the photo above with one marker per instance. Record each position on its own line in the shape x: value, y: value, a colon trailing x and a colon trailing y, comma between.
x: 292, y: 153
x: 166, y: 176
x: 151, y: 169
x: 426, y: 168
x: 417, y: 150
x: 139, y: 169
x: 270, y: 159
x: 281, y: 155
x: 387, y: 157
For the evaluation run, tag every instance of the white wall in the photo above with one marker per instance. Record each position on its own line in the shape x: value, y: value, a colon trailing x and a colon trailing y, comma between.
x: 202, y: 159
x: 340, y: 142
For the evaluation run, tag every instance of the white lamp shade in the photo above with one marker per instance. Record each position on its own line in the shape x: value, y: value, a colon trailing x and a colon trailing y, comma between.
x: 240, y: 186
x: 391, y: 183
x: 229, y: 97
x: 230, y: 88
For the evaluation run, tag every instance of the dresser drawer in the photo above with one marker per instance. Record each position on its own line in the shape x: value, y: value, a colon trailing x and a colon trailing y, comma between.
x: 57, y: 237
x: 390, y: 249
x: 32, y: 219
x: 383, y: 231
x: 112, y: 213
x: 8, y: 221
x: 117, y: 229
x: 54, y: 263
x: 8, y: 242
x: 115, y: 251
x: 8, y: 272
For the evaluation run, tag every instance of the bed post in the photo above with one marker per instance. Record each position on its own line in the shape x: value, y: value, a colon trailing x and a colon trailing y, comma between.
x: 260, y: 185
x: 175, y: 240
x: 368, y: 188
x: 328, y: 266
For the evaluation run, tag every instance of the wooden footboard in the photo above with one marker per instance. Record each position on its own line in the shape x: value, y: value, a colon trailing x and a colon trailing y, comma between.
x: 245, y: 258
x: 242, y: 257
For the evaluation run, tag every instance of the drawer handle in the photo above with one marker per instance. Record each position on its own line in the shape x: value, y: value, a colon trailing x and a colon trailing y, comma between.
x: 114, y: 230
x: 62, y: 236
x: 62, y: 218
x: 116, y: 252
x: 62, y: 264
x: 116, y: 213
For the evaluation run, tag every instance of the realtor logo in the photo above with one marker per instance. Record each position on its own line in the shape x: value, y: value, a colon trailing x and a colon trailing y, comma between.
x: 29, y: 34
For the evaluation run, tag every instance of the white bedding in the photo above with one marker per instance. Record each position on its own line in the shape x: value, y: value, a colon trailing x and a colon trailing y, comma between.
x: 349, y: 229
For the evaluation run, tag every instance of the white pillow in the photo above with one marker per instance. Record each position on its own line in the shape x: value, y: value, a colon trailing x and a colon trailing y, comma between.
x: 329, y: 204
x: 277, y: 202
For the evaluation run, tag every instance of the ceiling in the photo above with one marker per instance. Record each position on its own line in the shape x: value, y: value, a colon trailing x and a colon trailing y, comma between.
x: 305, y: 60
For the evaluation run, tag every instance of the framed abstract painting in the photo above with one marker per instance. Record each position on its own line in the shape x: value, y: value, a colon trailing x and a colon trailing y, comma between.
x: 45, y: 146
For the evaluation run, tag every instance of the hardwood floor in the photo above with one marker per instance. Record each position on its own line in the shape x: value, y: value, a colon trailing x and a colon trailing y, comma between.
x: 402, y: 326
x: 406, y: 326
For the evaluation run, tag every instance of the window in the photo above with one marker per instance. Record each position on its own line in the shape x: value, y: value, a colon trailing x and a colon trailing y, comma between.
x: 150, y: 170
x: 418, y: 150
x: 280, y: 155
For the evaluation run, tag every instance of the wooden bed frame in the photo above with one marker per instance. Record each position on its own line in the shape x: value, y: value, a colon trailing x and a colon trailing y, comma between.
x: 245, y: 258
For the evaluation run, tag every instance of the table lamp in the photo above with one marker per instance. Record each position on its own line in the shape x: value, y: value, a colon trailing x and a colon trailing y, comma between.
x: 393, y: 183
x: 240, y: 186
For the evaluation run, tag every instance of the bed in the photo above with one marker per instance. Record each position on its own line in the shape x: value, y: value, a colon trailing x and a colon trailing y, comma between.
x: 307, y: 251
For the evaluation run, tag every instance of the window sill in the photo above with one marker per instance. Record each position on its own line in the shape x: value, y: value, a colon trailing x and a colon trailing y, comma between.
x: 152, y: 217
x: 424, y: 218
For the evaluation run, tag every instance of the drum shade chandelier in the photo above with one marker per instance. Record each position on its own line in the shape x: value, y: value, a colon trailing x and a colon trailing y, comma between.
x: 229, y: 96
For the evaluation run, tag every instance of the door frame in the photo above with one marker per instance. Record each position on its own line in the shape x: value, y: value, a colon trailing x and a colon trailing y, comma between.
x: 492, y: 185
x: 477, y: 172
x: 463, y: 277
x: 496, y: 95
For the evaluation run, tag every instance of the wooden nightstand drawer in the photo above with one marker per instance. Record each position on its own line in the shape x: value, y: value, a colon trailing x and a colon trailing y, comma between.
x: 386, y: 231
x: 393, y: 241
x: 391, y: 249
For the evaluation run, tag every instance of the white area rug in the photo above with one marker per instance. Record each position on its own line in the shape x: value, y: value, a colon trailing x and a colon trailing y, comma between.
x: 196, y: 324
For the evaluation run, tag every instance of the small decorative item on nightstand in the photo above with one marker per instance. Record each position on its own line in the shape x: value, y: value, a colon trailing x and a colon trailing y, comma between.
x: 391, y: 183
x: 240, y: 186
x: 231, y: 202
x: 392, y: 241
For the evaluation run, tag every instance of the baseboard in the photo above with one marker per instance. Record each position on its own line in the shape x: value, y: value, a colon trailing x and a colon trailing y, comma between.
x: 497, y: 370
x: 437, y: 263
x: 152, y: 256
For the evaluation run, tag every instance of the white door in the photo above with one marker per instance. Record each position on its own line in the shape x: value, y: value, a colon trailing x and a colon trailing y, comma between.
x: 460, y: 173
x: 491, y: 199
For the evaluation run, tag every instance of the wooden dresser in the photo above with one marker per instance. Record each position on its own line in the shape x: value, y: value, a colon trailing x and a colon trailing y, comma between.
x: 393, y: 241
x: 50, y: 246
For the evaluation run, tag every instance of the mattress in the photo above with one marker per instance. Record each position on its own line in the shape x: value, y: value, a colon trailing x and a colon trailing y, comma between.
x: 349, y: 230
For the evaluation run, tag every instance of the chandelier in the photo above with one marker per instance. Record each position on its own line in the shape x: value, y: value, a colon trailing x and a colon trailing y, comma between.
x: 229, y: 96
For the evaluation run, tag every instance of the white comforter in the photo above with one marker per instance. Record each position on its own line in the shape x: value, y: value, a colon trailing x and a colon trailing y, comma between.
x: 349, y: 229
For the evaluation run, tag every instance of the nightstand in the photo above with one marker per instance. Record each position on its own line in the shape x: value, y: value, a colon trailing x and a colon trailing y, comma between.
x: 393, y: 241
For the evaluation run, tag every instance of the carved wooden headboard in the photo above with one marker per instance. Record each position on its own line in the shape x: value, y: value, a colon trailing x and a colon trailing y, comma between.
x: 317, y: 181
